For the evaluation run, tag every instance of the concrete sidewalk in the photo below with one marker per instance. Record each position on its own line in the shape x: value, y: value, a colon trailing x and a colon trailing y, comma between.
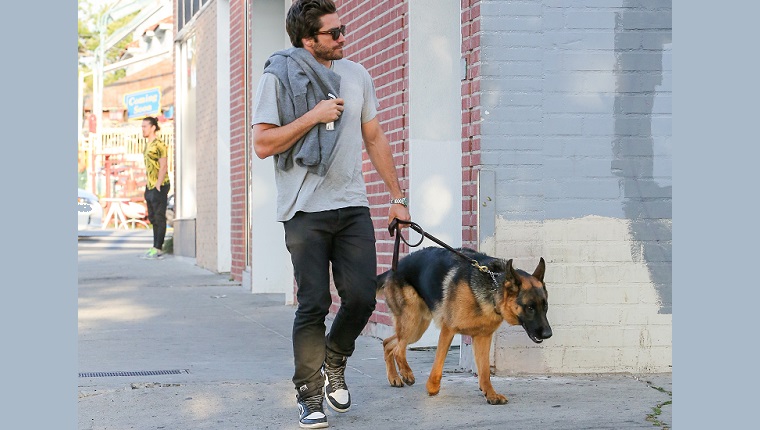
x: 167, y: 345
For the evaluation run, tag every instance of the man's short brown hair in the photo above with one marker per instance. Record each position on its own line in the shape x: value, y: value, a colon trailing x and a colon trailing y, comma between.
x: 304, y: 19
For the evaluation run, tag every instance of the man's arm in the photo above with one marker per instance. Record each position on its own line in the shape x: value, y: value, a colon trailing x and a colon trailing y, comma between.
x: 379, y: 151
x: 270, y: 139
x: 162, y: 168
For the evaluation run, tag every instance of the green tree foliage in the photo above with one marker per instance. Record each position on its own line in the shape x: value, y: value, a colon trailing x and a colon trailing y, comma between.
x: 86, y: 25
x: 89, y: 40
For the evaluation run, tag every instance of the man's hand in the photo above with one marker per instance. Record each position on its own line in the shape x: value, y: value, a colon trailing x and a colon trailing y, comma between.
x: 399, y: 211
x: 328, y: 110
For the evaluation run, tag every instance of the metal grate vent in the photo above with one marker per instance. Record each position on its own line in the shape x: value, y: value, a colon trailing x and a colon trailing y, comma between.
x: 138, y: 373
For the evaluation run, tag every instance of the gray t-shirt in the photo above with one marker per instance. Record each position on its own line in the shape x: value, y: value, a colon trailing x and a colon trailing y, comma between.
x: 343, y: 185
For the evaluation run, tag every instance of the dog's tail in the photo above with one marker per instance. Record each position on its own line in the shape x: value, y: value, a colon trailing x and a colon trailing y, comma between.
x: 382, y: 279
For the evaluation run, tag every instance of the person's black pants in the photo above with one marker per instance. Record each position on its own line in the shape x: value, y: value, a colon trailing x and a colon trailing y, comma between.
x: 156, y: 202
x: 345, y: 239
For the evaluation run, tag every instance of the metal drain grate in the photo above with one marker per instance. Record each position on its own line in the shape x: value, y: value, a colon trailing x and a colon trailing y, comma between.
x: 138, y: 373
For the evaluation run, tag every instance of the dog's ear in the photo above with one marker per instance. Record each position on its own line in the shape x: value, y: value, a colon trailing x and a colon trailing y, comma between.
x: 540, y: 269
x: 512, y: 278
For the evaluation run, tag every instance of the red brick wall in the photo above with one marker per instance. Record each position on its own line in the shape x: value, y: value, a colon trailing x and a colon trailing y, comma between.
x: 471, y: 118
x: 377, y: 38
x: 238, y: 153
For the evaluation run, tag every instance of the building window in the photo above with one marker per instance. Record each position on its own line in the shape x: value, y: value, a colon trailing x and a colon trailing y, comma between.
x: 187, y: 9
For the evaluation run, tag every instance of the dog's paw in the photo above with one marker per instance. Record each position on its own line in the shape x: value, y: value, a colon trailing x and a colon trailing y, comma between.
x: 496, y: 399
x: 433, y: 388
x: 408, y: 379
x: 395, y: 382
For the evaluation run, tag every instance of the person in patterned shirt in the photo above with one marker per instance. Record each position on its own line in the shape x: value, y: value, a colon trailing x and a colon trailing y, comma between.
x: 157, y: 187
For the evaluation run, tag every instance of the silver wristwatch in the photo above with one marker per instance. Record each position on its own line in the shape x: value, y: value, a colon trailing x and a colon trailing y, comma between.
x: 401, y: 201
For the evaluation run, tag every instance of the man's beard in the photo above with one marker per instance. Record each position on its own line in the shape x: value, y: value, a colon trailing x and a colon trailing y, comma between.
x: 321, y: 52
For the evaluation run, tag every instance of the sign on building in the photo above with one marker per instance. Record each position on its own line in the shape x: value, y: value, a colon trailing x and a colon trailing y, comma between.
x: 143, y: 103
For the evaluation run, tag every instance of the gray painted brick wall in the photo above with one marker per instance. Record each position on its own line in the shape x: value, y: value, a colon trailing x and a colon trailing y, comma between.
x: 596, y: 71
x: 577, y: 114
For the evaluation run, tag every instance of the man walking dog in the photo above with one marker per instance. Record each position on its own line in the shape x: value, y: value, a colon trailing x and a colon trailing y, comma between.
x: 313, y: 109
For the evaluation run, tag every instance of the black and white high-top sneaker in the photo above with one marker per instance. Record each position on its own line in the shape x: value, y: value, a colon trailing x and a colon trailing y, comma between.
x: 311, y: 414
x: 336, y: 391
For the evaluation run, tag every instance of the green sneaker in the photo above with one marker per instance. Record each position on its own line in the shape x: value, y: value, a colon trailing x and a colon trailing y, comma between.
x: 152, y: 254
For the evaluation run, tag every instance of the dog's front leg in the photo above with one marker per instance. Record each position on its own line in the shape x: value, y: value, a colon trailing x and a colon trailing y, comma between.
x: 389, y: 348
x: 444, y: 342
x: 482, y: 348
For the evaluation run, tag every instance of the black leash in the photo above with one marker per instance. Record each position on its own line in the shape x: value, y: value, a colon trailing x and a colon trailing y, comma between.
x: 395, y: 228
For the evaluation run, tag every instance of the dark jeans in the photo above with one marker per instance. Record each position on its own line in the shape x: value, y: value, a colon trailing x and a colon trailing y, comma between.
x: 345, y: 239
x: 156, y: 201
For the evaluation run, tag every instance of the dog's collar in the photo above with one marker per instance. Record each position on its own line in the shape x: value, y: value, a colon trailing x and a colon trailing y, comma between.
x: 490, y: 273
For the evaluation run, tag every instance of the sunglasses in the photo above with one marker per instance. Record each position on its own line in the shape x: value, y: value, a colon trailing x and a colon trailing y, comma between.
x: 334, y: 32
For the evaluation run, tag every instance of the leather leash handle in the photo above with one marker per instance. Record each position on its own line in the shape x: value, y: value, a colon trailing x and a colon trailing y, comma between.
x: 395, y: 228
x: 392, y: 226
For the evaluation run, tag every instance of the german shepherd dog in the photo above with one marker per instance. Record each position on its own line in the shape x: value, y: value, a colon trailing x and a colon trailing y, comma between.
x: 437, y: 284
